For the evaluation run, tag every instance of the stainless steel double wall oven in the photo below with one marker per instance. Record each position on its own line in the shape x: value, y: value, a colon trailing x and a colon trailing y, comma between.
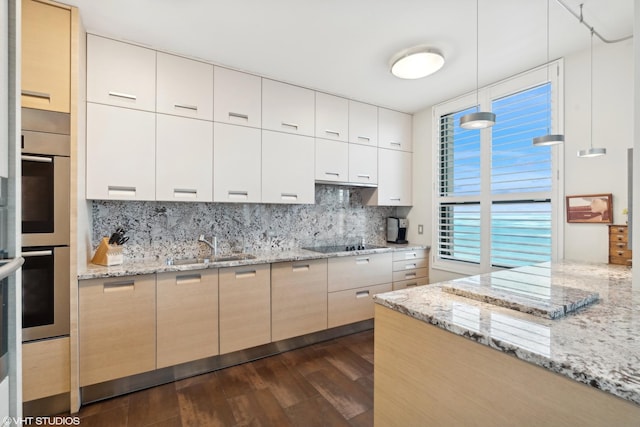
x: 45, y: 223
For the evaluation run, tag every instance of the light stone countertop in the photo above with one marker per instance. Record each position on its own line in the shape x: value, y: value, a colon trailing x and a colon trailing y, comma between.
x: 151, y: 266
x: 598, y: 344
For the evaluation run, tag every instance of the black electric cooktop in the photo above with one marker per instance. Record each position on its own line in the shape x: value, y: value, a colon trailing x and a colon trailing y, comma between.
x: 342, y: 248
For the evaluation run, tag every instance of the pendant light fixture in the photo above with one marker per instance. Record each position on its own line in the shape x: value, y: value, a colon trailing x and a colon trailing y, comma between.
x: 549, y: 138
x: 591, y: 152
x: 479, y: 119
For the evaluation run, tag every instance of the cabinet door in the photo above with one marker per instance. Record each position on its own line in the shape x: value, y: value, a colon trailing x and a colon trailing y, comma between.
x: 45, y: 368
x: 287, y: 108
x: 46, y: 56
x: 185, y: 87
x: 245, y: 307
x: 237, y: 98
x: 187, y: 316
x: 298, y: 298
x: 394, y: 178
x: 332, y: 160
x: 184, y: 159
x: 120, y: 153
x: 236, y: 164
x: 287, y: 168
x: 363, y: 123
x: 353, y: 305
x: 363, y: 164
x: 332, y: 117
x: 117, y: 319
x: 120, y: 74
x: 394, y: 130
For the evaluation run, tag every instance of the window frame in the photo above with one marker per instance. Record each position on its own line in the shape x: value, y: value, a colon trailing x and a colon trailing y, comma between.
x: 552, y: 72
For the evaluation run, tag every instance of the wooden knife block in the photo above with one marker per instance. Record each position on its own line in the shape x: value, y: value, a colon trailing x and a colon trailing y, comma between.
x: 107, y: 254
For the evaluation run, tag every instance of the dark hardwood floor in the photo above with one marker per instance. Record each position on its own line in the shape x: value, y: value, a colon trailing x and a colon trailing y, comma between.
x: 326, y: 384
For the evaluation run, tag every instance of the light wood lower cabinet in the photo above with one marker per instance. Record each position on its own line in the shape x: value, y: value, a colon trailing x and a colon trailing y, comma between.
x: 245, y: 307
x: 410, y: 268
x: 353, y: 305
x: 45, y: 368
x: 117, y: 327
x: 187, y: 316
x: 359, y: 270
x: 298, y: 298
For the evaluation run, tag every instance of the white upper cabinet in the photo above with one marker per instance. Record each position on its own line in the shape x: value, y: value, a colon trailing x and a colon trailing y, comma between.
x: 394, y: 130
x: 121, y: 146
x: 332, y: 160
x: 120, y: 74
x: 363, y: 164
x: 236, y: 164
x: 332, y: 117
x: 287, y: 108
x: 184, y: 159
x: 287, y: 168
x: 237, y: 98
x: 394, y: 178
x: 363, y: 123
x: 185, y: 87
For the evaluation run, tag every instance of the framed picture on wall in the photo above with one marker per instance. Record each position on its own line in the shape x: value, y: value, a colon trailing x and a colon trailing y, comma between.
x: 591, y: 208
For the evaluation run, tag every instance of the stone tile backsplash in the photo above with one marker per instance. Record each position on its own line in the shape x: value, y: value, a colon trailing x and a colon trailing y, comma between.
x: 171, y: 229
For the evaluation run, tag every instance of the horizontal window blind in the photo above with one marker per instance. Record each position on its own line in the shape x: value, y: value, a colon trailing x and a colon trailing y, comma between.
x: 459, y: 232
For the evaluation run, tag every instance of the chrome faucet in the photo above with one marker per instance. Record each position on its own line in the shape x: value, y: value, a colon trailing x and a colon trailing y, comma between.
x: 213, y: 246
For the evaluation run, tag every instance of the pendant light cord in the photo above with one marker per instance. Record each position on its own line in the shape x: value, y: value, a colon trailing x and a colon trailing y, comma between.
x: 547, y: 66
x: 580, y: 18
x: 477, y: 56
x: 591, y: 90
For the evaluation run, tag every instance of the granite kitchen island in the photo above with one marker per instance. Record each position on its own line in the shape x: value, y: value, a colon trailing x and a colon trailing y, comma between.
x: 506, y: 349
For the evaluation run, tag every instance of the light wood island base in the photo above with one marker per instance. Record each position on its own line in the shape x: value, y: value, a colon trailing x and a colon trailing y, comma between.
x: 426, y: 376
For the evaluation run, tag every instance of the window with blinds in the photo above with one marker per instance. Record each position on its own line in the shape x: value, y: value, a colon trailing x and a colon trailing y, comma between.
x: 514, y: 189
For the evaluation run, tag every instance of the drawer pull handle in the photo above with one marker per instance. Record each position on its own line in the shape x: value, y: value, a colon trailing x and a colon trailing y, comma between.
x: 362, y: 175
x: 620, y: 230
x: 121, y: 191
x: 620, y: 253
x: 332, y: 132
x: 410, y: 266
x: 399, y: 144
x: 185, y: 193
x: 35, y: 94
x: 239, y: 116
x: 410, y: 275
x: 37, y: 159
x: 620, y: 237
x: 332, y: 173
x: 366, y: 138
x: 362, y: 294
x: 394, y: 199
x: 245, y: 274
x: 238, y: 194
x: 290, y: 125
x: 362, y: 261
x: 288, y: 196
x: 188, y: 279
x: 298, y: 268
x: 410, y: 285
x: 620, y: 245
x: 123, y: 95
x: 129, y: 285
x: 410, y: 255
x: 186, y: 107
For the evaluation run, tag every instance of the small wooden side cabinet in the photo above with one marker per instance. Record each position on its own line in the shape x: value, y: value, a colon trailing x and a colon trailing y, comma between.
x: 619, y: 252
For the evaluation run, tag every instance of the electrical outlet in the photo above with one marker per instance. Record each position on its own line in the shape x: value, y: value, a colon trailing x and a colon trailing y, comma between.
x: 420, y: 229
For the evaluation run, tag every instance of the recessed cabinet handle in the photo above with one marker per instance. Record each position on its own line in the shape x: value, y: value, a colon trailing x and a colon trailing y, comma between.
x: 410, y: 266
x: 410, y: 275
x: 37, y: 159
x: 185, y: 193
x: 239, y: 116
x: 121, y: 191
x: 290, y: 125
x: 332, y: 132
x: 186, y: 107
x: 362, y: 294
x: 35, y: 94
x: 366, y: 138
x: 399, y: 144
x: 361, y: 175
x: 410, y: 285
x: 188, y: 279
x: 245, y: 274
x: 332, y: 173
x: 362, y: 260
x: 123, y: 95
x: 298, y: 268
x: 394, y: 199
x: 288, y: 196
x: 129, y: 285
x: 409, y: 255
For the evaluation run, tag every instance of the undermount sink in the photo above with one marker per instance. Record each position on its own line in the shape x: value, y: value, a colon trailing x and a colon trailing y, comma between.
x: 221, y: 258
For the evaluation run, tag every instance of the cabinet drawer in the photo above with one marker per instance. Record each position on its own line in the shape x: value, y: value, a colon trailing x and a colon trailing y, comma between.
x: 404, y: 284
x: 410, y: 254
x: 117, y: 334
x: 618, y: 237
x: 410, y: 274
x: 618, y: 229
x: 622, y: 253
x: 619, y: 260
x: 120, y: 74
x: 245, y: 307
x: 360, y: 270
x: 187, y: 316
x: 45, y: 368
x: 618, y: 246
x: 353, y: 305
x: 410, y: 264
x: 298, y: 298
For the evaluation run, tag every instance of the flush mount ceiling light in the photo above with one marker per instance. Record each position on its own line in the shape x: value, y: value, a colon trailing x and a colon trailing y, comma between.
x: 416, y: 62
x: 549, y: 138
x: 479, y: 119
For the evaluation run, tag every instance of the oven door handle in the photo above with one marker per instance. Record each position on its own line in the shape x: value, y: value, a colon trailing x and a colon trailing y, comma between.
x: 37, y: 253
x: 9, y: 268
x: 38, y: 159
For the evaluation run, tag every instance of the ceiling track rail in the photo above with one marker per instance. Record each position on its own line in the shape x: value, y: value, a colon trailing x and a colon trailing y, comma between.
x: 580, y: 18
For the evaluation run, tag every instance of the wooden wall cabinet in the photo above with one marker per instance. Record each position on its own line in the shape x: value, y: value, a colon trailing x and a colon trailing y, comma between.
x: 46, y: 56
x: 619, y: 252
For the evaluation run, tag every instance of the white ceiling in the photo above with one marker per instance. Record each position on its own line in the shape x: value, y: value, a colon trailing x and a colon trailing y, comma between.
x: 343, y: 46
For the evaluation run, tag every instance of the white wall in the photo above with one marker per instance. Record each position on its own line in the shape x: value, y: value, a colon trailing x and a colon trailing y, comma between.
x: 612, y: 129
